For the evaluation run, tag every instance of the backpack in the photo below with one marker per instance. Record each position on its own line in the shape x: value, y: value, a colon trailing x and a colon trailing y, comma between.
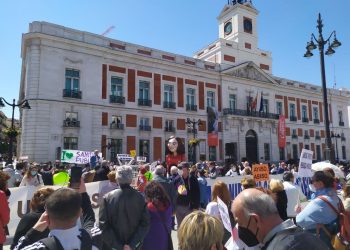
x: 342, y: 239
x: 52, y: 243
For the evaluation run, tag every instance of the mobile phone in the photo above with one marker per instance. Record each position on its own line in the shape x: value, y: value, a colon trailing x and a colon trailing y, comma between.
x: 75, y: 176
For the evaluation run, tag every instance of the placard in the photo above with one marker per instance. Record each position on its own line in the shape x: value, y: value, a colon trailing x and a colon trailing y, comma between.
x: 305, y: 163
x: 141, y: 159
x: 124, y: 157
x: 77, y: 156
x: 225, y: 217
x: 261, y: 172
x: 133, y: 153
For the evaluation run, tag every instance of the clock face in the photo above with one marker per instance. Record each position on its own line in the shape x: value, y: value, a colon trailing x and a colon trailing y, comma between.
x: 247, y: 24
x: 228, y: 28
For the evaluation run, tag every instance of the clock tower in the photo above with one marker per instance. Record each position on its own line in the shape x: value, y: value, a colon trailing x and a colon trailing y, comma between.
x: 238, y: 38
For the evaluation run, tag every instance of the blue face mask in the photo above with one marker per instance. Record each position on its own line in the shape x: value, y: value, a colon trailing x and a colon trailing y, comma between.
x: 33, y: 173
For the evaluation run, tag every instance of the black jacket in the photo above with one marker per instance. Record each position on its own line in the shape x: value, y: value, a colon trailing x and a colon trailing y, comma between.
x: 281, y: 203
x: 123, y: 218
x: 168, y: 187
x: 32, y: 238
x: 192, y: 199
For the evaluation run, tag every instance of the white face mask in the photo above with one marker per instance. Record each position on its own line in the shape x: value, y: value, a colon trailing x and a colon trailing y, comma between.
x: 312, y: 188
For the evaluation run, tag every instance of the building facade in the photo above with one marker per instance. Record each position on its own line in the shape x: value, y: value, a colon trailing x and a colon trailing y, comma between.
x: 91, y: 92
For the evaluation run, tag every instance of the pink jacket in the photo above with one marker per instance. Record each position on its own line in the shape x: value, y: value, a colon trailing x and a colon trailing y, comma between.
x: 4, y: 215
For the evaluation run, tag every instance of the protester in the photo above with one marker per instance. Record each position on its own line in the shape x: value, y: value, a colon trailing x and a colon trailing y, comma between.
x: 318, y: 211
x: 188, y: 193
x: 95, y: 159
x: 4, y: 207
x: 61, y: 177
x: 148, y: 174
x: 212, y: 173
x: 200, y: 231
x: 159, y: 208
x: 294, y: 195
x: 112, y: 184
x: 32, y: 177
x: 141, y: 180
x: 159, y: 177
x: 248, y: 182
x: 174, y: 177
x: 123, y: 216
x: 46, y: 173
x: 37, y: 207
x: 259, y: 222
x: 15, y: 178
x: 247, y: 170
x: 233, y: 171
x: 203, y: 188
x: 67, y: 231
x: 102, y: 172
x: 277, y: 189
x: 220, y: 190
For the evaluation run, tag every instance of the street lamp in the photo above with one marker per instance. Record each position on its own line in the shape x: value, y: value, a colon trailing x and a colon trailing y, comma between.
x: 320, y: 43
x: 193, y: 124
x: 24, y: 105
x: 336, y: 136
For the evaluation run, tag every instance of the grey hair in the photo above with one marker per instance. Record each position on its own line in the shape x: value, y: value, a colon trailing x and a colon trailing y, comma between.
x: 174, y: 170
x: 123, y: 175
x: 159, y: 170
x: 262, y: 205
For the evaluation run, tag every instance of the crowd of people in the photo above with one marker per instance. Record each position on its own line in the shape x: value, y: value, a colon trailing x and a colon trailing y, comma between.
x: 140, y: 211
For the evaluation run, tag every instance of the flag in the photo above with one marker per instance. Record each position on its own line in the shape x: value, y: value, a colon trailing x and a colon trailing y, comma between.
x: 261, y: 103
x: 255, y: 102
x: 249, y: 103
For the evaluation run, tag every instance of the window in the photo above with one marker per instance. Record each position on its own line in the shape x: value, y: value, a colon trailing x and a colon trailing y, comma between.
x: 318, y: 152
x: 292, y: 109
x: 117, y: 86
x: 72, y: 79
x: 144, y: 121
x: 267, y: 151
x: 144, y: 148
x: 210, y: 99
x: 212, y: 153
x: 116, y: 148
x: 304, y: 112
x: 343, y: 150
x: 279, y: 108
x: 70, y: 143
x: 190, y: 96
x: 232, y: 102
x: 340, y: 115
x: 168, y: 93
x: 169, y: 125
x: 71, y: 116
x: 144, y: 90
x: 315, y: 113
x: 307, y: 146
x: 281, y: 154
x: 265, y: 105
x: 295, y: 151
x: 116, y: 119
x: 294, y: 132
x: 306, y: 134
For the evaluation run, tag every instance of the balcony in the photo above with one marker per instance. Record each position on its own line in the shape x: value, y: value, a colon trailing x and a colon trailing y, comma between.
x: 293, y: 118
x: 145, y: 127
x: 72, y: 93
x: 343, y: 138
x: 242, y: 112
x: 169, y: 105
x: 117, y: 126
x: 306, y: 137
x: 145, y: 102
x: 190, y: 107
x: 341, y: 124
x: 169, y: 129
x: 316, y: 121
x: 71, y: 123
x: 294, y: 136
x: 304, y: 119
x: 117, y: 99
x: 317, y: 137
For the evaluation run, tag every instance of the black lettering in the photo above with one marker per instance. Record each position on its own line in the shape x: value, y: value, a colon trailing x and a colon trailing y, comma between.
x: 95, y: 198
x: 19, y: 208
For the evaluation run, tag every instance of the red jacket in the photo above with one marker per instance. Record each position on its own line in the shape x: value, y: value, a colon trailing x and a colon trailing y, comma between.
x: 4, y: 215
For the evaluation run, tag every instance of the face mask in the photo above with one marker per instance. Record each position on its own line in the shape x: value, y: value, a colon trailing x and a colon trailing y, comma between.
x: 180, y: 172
x: 33, y: 173
x: 247, y: 236
x: 312, y: 188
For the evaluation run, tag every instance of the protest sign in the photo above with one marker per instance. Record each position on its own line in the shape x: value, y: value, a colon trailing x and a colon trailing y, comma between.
x: 225, y: 217
x: 124, y: 157
x: 305, y: 163
x: 133, y: 153
x: 261, y: 172
x: 77, y: 156
x: 141, y: 159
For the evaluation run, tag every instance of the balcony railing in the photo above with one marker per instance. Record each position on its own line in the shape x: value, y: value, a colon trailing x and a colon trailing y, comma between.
x: 294, y: 136
x: 293, y: 118
x: 169, y: 105
x: 190, y: 107
x: 305, y: 119
x: 242, y: 112
x: 145, y: 127
x: 71, y: 123
x: 117, y: 126
x: 341, y: 124
x: 117, y: 99
x: 317, y: 121
x: 317, y: 137
x: 343, y: 138
x: 72, y: 93
x: 306, y: 137
x: 169, y: 129
x: 145, y: 102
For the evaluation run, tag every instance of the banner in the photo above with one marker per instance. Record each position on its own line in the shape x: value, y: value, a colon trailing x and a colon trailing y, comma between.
x: 225, y: 217
x: 305, y: 163
x: 282, y: 132
x: 213, y: 127
x: 261, y: 172
x: 77, y: 156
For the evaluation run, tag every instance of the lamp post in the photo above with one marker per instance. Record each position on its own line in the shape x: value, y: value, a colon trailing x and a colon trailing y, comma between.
x: 336, y: 136
x: 24, y: 105
x: 193, y: 124
x: 320, y: 43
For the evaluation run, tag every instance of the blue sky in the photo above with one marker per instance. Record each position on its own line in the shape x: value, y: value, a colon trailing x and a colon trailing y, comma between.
x: 183, y: 27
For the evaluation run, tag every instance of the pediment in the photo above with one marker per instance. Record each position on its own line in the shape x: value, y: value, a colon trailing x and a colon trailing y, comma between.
x: 251, y: 71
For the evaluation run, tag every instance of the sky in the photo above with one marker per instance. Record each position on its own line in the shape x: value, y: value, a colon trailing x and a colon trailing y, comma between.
x: 183, y: 27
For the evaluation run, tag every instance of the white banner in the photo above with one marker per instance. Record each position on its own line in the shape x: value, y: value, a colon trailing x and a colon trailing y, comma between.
x: 305, y: 163
x: 225, y: 217
x: 77, y: 156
